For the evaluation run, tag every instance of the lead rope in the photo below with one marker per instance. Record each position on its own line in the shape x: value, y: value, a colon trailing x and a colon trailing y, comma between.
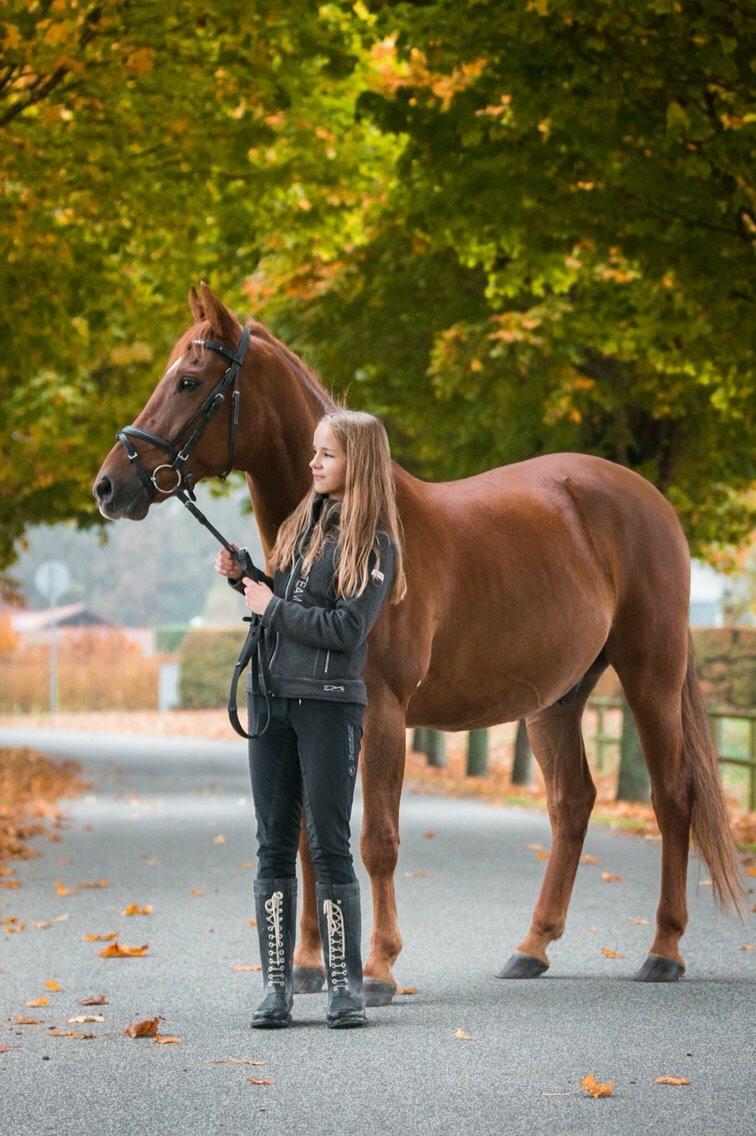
x: 274, y: 916
x: 336, y: 944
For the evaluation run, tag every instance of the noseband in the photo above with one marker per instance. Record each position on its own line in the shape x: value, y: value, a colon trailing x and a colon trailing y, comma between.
x: 185, y: 479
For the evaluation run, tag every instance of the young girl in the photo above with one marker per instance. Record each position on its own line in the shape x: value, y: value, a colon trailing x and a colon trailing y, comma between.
x: 336, y: 560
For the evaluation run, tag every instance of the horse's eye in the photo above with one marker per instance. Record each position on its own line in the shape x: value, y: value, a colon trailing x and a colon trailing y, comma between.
x: 187, y: 384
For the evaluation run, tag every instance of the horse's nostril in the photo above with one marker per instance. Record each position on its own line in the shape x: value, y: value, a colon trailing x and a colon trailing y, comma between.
x: 104, y: 489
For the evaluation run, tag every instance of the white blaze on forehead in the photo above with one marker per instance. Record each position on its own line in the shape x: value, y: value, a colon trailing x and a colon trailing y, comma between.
x: 173, y: 366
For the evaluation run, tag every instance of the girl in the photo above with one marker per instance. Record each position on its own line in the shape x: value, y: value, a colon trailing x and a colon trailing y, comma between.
x: 336, y: 560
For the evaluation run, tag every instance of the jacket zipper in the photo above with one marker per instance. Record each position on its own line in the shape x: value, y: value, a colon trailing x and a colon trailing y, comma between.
x: 328, y: 655
x: 286, y: 596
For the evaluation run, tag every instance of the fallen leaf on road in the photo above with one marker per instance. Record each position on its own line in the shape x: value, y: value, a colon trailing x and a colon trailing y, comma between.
x: 429, y: 834
x: 135, y: 909
x: 407, y: 989
x: 417, y: 872
x: 747, y: 947
x: 533, y: 846
x: 101, y: 938
x: 94, y: 884
x: 591, y: 927
x: 122, y: 950
x: 751, y: 871
x: 596, y: 1088
x: 219, y: 839
x: 541, y: 855
x: 38, y: 1001
x: 260, y: 1081
x: 148, y: 1027
x: 166, y: 1039
x: 463, y: 1036
x: 22, y: 1020
x: 196, y: 891
x: 61, y: 889
x: 588, y: 859
x: 611, y: 878
x: 51, y: 984
x: 251, y: 922
x: 610, y: 954
x: 71, y: 1033
x: 671, y: 1081
x: 247, y: 966
x: 100, y: 1000
x: 10, y: 883
x: 81, y: 1019
x: 639, y: 922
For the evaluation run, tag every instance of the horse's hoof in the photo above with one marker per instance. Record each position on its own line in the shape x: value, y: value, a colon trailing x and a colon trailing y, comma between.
x: 308, y: 979
x: 659, y: 968
x: 522, y: 966
x: 377, y: 992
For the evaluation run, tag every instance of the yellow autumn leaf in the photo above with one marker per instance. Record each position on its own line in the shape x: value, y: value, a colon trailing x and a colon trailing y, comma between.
x: 596, y: 1088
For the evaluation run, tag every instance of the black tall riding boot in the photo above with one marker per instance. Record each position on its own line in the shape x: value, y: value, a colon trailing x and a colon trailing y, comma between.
x: 276, y: 913
x: 340, y: 930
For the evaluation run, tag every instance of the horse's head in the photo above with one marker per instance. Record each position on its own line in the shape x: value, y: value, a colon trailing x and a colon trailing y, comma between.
x: 187, y: 429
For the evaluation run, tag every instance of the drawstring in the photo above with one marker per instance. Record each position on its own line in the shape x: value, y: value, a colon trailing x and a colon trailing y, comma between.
x: 336, y: 943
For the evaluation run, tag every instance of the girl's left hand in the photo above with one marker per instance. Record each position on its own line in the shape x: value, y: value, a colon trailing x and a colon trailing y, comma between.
x: 256, y: 596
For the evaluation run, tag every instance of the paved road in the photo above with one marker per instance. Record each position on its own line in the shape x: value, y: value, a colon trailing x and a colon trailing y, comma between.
x: 406, y: 1073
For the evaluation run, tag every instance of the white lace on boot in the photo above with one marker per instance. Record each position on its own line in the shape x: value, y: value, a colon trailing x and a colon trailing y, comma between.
x: 336, y: 944
x: 274, y: 917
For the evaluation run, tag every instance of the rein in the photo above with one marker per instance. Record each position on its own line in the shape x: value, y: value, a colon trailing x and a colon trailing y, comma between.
x: 184, y: 491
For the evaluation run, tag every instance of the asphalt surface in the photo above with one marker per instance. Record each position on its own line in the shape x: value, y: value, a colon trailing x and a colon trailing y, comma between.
x: 147, y: 826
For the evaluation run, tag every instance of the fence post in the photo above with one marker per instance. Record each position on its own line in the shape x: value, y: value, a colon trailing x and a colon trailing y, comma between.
x: 477, y: 753
x: 419, y: 739
x: 522, y: 756
x: 632, y: 781
x: 436, y: 749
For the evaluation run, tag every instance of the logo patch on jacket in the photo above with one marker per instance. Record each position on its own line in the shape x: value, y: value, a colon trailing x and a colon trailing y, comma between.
x: 299, y: 587
x: 327, y: 686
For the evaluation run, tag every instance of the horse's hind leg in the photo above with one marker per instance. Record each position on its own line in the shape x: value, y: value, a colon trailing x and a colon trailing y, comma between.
x: 653, y: 692
x: 557, y: 743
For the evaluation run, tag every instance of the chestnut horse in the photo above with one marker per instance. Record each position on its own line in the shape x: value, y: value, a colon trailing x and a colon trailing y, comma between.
x: 524, y: 583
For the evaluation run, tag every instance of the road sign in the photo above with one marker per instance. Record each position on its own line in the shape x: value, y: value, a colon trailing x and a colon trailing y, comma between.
x: 52, y: 579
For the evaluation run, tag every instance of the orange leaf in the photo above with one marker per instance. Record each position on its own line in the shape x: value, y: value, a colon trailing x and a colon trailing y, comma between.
x: 38, y: 1001
x: 588, y: 859
x: 148, y: 1027
x: 429, y: 834
x: 260, y: 1081
x: 166, y: 1039
x: 135, y: 909
x: 101, y: 938
x: 121, y: 950
x: 462, y: 1035
x: 51, y: 984
x: 407, y: 989
x: 100, y: 1000
x: 610, y: 954
x: 94, y: 884
x: 610, y: 878
x: 671, y: 1081
x: 596, y: 1088
x: 239, y: 966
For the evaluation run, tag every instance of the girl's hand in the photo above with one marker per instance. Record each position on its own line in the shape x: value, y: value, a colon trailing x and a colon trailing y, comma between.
x: 227, y: 565
x: 256, y: 596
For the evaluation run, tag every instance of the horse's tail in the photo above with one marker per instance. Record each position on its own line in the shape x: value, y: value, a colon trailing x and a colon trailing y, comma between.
x: 710, y: 822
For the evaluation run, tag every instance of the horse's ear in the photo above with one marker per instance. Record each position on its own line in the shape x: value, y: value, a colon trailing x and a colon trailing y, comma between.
x: 195, y: 305
x: 221, y: 319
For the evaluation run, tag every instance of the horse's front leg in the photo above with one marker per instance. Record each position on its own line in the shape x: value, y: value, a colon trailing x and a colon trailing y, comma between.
x: 309, y: 970
x: 382, y: 760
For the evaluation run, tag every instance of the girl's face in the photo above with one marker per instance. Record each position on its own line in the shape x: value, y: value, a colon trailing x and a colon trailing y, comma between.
x: 328, y: 462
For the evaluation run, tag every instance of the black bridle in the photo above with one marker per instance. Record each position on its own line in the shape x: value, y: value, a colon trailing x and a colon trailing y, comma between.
x: 184, y: 478
x: 184, y: 490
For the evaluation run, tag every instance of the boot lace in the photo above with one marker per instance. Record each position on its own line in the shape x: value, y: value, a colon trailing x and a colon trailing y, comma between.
x: 336, y: 943
x: 274, y: 917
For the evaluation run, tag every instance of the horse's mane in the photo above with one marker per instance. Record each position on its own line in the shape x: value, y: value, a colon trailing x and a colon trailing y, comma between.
x: 310, y: 380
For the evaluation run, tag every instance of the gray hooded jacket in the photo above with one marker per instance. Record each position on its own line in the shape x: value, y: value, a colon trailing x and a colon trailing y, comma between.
x: 314, y: 643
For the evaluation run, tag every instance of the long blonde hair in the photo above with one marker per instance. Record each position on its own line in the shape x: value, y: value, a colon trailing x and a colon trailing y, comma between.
x: 369, y: 504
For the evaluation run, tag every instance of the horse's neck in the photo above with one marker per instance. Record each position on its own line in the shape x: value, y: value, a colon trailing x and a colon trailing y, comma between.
x: 278, y: 472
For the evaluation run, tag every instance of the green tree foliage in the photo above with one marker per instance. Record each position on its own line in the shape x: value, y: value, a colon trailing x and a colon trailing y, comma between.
x: 508, y: 228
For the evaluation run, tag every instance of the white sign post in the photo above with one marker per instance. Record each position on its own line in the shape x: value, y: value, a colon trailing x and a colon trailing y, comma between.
x: 52, y: 579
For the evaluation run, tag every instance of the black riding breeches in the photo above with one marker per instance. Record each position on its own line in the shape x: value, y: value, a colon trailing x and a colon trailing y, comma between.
x: 306, y: 760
